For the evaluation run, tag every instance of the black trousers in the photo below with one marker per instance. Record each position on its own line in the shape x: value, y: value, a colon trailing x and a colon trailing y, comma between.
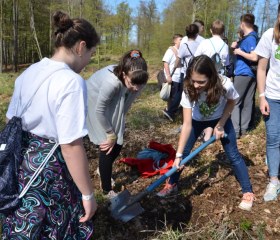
x: 106, y: 166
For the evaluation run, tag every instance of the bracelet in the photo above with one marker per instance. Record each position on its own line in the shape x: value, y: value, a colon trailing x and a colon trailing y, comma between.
x: 179, y: 155
x: 111, y: 136
x: 87, y: 197
x: 262, y: 94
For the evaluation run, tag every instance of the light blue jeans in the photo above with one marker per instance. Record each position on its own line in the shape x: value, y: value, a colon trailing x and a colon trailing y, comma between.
x: 230, y: 147
x: 272, y: 123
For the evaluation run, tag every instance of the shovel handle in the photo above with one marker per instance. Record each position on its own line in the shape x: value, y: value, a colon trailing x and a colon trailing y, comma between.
x: 184, y: 161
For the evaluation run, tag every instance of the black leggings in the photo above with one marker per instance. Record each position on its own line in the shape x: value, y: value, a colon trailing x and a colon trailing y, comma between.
x: 106, y: 166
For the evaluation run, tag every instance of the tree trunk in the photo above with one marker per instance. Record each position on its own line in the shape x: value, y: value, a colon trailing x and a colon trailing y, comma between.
x: 33, y: 29
x: 15, y: 35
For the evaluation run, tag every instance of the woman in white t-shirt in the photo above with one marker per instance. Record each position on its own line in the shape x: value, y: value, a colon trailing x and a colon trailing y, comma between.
x: 207, y: 101
x: 268, y: 50
x: 60, y: 203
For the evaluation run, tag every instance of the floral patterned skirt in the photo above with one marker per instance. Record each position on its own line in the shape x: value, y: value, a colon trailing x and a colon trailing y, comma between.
x: 52, y: 206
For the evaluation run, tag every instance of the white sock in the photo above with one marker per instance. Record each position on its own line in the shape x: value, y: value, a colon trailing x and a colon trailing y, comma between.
x: 275, y: 182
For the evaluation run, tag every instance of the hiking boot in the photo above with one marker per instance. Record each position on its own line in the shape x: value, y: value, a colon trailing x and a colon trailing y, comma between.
x: 247, y: 201
x: 271, y: 192
x: 168, y: 190
x: 110, y: 195
x: 166, y: 114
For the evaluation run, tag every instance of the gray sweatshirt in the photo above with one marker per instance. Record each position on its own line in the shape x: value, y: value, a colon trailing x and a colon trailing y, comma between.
x: 108, y: 102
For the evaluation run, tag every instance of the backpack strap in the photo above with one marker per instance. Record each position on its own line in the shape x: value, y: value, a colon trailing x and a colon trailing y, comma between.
x: 174, y: 50
x: 222, y: 48
x: 30, y: 100
x: 189, y: 49
x: 38, y: 170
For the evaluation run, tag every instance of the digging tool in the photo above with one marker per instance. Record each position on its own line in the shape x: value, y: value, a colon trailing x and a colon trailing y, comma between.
x: 125, y: 207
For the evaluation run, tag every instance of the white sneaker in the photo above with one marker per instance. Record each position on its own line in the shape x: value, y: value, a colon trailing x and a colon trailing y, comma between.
x: 247, y: 201
x: 112, y: 180
x: 271, y: 192
x: 110, y: 195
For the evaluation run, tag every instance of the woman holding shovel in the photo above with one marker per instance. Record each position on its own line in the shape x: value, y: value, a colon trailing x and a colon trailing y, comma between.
x: 111, y: 91
x: 208, y: 100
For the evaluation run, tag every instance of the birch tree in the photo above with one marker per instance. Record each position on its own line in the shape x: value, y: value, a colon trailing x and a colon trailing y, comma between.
x: 33, y: 29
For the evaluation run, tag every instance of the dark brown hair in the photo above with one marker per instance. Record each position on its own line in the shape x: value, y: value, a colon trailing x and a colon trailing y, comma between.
x: 192, y: 31
x: 204, y: 65
x: 132, y: 63
x: 248, y: 19
x: 277, y: 27
x: 67, y: 31
x: 218, y: 27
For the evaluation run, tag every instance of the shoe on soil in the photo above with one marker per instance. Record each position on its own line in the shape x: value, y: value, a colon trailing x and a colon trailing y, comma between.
x: 247, y: 201
x: 166, y: 114
x: 271, y: 192
x: 110, y: 195
x: 168, y: 190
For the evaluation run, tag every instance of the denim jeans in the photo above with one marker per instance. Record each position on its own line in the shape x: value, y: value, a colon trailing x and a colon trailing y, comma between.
x: 230, y: 147
x: 273, y: 137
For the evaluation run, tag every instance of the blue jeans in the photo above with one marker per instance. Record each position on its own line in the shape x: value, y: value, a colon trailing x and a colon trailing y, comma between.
x: 273, y: 137
x: 230, y: 147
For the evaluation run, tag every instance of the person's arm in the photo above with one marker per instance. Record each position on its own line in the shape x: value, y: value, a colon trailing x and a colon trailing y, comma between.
x: 252, y: 56
x: 261, y: 79
x: 167, y: 72
x: 184, y: 136
x: 77, y: 164
x: 219, y: 128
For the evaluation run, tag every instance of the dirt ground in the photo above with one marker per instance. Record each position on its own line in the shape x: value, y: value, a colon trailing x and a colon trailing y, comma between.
x: 208, y: 194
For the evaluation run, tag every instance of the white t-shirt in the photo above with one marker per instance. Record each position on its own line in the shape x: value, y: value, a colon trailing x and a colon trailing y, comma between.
x: 198, y: 39
x: 58, y: 109
x: 268, y: 49
x: 201, y: 111
x: 185, y: 53
x: 206, y: 48
x: 170, y: 58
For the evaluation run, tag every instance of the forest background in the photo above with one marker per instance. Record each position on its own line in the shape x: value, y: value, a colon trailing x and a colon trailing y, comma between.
x: 25, y: 26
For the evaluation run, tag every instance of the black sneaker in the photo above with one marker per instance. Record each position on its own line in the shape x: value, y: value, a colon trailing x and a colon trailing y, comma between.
x: 167, y: 115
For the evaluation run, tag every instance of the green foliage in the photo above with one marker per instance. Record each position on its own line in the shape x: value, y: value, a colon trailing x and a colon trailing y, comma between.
x: 245, y: 224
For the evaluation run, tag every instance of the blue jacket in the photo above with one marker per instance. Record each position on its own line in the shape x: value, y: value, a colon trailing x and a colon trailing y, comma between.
x: 242, y: 65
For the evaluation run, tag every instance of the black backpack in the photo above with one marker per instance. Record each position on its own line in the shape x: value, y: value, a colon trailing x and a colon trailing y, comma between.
x: 218, y: 61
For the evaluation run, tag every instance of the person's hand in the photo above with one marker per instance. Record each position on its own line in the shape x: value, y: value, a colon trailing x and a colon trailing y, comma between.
x: 90, y: 207
x: 264, y: 106
x: 176, y: 163
x: 169, y: 79
x: 234, y: 44
x: 219, y: 132
x: 107, y: 145
x: 237, y: 51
